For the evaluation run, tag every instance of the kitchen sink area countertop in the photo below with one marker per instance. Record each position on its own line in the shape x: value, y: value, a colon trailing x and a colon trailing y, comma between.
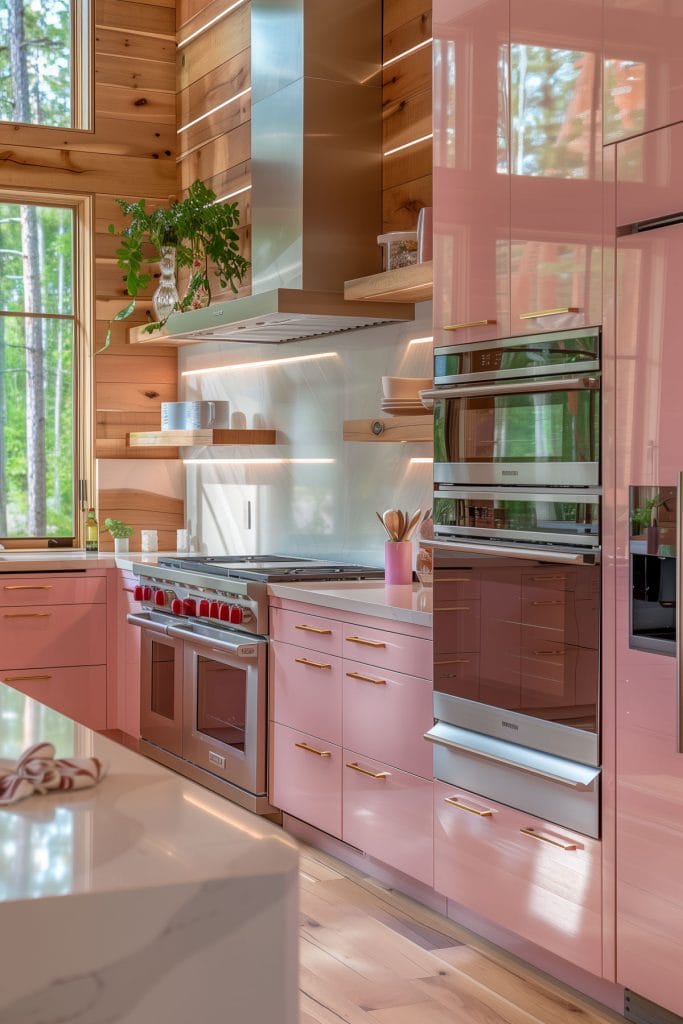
x: 411, y: 603
x: 112, y: 896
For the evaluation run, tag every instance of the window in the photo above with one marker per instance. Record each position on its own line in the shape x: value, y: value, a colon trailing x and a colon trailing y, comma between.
x: 44, y: 396
x: 44, y: 62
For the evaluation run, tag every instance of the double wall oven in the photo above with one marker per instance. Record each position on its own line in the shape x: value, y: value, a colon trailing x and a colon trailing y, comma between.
x: 517, y: 588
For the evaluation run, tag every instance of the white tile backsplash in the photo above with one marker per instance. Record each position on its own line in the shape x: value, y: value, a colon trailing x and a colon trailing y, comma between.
x: 318, y: 508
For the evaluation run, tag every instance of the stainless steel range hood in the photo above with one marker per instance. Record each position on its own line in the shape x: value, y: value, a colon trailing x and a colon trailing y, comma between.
x: 316, y: 171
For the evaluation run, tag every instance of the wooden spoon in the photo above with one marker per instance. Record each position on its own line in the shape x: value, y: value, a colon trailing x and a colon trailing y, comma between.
x: 384, y: 525
x: 390, y: 520
x: 412, y: 523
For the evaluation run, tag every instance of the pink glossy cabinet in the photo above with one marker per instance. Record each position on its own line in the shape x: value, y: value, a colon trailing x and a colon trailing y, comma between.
x: 555, y: 164
x: 648, y: 451
x: 643, y: 66
x: 128, y: 659
x: 471, y: 170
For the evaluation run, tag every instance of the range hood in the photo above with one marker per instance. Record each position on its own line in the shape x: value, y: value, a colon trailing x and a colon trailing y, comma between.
x: 316, y: 172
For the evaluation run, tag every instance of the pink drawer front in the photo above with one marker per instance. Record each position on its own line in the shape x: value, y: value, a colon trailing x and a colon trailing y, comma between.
x: 305, y: 778
x: 305, y: 690
x: 539, y: 880
x: 386, y: 715
x: 389, y: 815
x: 388, y: 650
x: 79, y: 692
x: 40, y: 590
x: 312, y: 631
x: 66, y: 634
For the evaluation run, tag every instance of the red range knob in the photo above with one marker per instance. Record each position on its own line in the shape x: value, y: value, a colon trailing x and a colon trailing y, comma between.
x: 224, y: 613
x: 204, y: 607
x: 214, y: 610
x: 189, y: 606
x: 159, y: 598
x: 137, y: 593
x: 177, y: 606
x: 236, y: 615
x: 146, y: 593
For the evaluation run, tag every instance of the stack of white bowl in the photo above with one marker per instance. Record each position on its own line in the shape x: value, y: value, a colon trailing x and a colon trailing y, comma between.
x: 400, y: 395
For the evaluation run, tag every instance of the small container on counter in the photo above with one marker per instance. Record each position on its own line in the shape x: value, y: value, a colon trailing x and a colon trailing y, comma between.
x: 400, y: 249
x: 398, y: 562
x: 149, y: 540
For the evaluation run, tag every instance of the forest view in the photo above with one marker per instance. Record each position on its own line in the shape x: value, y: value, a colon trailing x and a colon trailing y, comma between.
x: 36, y: 288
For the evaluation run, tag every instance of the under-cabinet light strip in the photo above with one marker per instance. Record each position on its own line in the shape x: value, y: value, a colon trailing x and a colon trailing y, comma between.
x: 420, y: 462
x: 231, y: 195
x: 214, y: 110
x: 258, y: 366
x: 258, y: 462
x: 406, y: 53
x: 210, y: 24
x: 421, y: 341
x: 407, y: 145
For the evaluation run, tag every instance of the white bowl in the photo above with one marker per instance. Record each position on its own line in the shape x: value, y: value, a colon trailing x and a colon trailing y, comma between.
x: 404, y: 387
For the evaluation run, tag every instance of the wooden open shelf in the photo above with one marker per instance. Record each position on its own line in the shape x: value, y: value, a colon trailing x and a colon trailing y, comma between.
x: 138, y: 336
x: 187, y: 438
x: 390, y: 428
x: 406, y: 284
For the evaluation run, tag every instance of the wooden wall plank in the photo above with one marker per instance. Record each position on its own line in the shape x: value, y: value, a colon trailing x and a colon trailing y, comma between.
x: 409, y: 164
x: 126, y: 44
x: 147, y: 105
x: 215, y: 87
x: 114, y: 136
x: 143, y: 510
x: 402, y: 203
x: 407, y: 119
x: 135, y: 397
x: 407, y: 77
x: 192, y: 15
x: 398, y: 12
x: 407, y: 34
x: 134, y: 72
x: 208, y: 161
x: 216, y: 124
x: 157, y: 20
x: 30, y: 167
x: 225, y: 39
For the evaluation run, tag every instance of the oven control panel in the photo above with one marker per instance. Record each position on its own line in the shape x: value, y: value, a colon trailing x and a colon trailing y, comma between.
x: 217, y: 608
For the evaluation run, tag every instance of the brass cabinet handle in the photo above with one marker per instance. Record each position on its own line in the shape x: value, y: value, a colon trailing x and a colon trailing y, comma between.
x: 24, y: 679
x: 454, y: 802
x: 366, y: 771
x: 314, y: 629
x: 22, y: 586
x: 549, y: 579
x: 312, y: 750
x: 451, y: 608
x: 548, y: 312
x: 533, y: 834
x: 455, y: 579
x: 542, y: 604
x: 313, y: 664
x: 26, y: 615
x: 366, y: 679
x: 366, y: 643
x: 453, y: 661
x: 557, y: 652
x: 470, y: 323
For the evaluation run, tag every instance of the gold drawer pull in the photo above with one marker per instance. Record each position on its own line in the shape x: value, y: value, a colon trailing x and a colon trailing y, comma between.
x: 454, y: 802
x: 558, y: 652
x: 366, y: 771
x: 312, y: 750
x: 366, y: 643
x: 542, y: 604
x: 451, y: 608
x: 26, y: 615
x: 24, y: 679
x: 470, y: 323
x: 453, y: 661
x: 22, y: 586
x: 548, y: 579
x: 366, y: 679
x: 548, y: 312
x: 313, y: 664
x: 455, y: 579
x: 533, y: 834
x: 314, y: 629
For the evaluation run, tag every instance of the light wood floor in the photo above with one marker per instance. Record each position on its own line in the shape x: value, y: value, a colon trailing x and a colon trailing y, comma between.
x: 372, y: 956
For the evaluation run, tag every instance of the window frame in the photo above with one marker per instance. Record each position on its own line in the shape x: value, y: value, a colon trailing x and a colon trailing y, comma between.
x: 83, y: 321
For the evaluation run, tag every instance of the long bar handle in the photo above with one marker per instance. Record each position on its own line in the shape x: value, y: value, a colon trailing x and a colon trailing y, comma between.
x: 526, y: 387
x: 469, y: 323
x: 366, y: 643
x: 366, y: 771
x: 517, y: 551
x: 314, y: 629
x: 26, y: 615
x: 544, y: 604
x: 535, y: 313
x: 557, y: 651
x: 25, y: 679
x: 679, y: 614
x: 366, y: 679
x: 454, y: 802
x: 312, y: 750
x: 313, y: 664
x: 533, y: 834
x: 22, y: 586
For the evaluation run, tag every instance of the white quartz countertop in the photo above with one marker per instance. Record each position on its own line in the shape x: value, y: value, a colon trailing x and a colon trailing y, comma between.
x: 142, y: 826
x: 66, y: 559
x: 412, y: 603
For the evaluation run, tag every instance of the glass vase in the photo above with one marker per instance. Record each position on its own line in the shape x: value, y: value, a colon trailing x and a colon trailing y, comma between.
x: 166, y: 296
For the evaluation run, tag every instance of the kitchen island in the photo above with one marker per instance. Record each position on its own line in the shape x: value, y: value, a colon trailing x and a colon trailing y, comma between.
x: 145, y: 898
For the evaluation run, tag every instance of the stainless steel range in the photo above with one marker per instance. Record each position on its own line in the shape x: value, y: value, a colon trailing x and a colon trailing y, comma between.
x: 204, y: 627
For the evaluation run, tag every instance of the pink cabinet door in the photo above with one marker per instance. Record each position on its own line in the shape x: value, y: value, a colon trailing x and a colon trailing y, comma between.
x: 388, y: 650
x: 313, y: 631
x: 537, y: 879
x: 48, y: 635
x: 34, y: 589
x: 471, y: 170
x: 78, y: 692
x: 305, y: 690
x: 556, y: 164
x: 305, y: 778
x: 387, y: 714
x: 389, y: 815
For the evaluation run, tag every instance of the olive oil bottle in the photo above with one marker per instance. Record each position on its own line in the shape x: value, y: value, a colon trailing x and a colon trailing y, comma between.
x: 92, y: 531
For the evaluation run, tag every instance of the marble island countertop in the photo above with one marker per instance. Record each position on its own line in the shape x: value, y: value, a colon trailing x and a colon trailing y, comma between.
x: 144, y: 898
x: 411, y: 603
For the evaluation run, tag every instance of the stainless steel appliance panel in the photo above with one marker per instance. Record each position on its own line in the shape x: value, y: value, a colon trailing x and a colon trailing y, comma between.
x: 161, y: 681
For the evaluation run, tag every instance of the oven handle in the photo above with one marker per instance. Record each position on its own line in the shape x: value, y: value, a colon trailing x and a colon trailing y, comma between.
x: 240, y: 649
x: 525, y: 387
x: 150, y: 624
x: 591, y: 557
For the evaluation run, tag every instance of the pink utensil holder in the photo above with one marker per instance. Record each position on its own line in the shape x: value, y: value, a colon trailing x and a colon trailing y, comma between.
x: 398, y: 562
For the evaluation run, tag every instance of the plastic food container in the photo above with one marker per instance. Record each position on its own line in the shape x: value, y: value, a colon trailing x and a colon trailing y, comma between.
x: 400, y: 249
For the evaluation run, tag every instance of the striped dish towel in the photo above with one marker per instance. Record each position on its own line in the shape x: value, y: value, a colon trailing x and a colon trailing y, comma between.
x: 38, y: 771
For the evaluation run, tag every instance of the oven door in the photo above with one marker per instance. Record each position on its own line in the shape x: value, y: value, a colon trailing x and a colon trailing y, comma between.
x: 161, y: 680
x: 527, y: 432
x: 224, y: 708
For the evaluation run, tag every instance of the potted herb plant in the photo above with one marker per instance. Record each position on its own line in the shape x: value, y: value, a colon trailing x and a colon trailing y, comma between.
x: 121, y: 532
x: 197, y: 233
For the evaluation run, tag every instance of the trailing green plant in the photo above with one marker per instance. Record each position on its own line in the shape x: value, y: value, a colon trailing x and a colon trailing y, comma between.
x: 117, y: 529
x: 203, y: 234
x: 643, y: 516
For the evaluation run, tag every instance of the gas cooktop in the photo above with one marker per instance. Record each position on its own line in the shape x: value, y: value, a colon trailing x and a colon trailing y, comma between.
x: 271, y: 568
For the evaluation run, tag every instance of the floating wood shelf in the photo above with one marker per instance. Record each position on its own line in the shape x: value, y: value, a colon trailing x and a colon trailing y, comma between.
x: 138, y: 336
x: 406, y: 284
x: 187, y: 438
x: 391, y: 428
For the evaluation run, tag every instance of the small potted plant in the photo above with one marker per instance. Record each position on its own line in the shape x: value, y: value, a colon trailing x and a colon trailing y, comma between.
x: 121, y: 533
x: 195, y: 233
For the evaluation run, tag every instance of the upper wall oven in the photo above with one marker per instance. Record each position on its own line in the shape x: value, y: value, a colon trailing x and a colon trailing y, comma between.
x: 521, y: 411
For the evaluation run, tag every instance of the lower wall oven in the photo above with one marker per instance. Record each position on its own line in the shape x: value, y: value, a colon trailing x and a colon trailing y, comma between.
x: 517, y: 677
